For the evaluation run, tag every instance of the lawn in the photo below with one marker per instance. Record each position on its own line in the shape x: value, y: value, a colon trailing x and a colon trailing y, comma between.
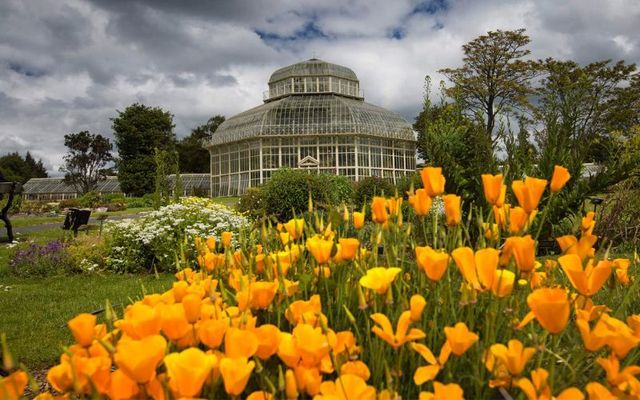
x: 31, y: 220
x: 230, y: 202
x: 34, y: 311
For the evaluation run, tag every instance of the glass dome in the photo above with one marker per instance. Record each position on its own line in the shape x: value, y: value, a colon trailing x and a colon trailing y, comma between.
x: 314, y: 118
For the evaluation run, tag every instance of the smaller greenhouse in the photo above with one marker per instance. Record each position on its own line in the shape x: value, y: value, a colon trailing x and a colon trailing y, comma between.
x: 192, y: 184
x: 55, y: 189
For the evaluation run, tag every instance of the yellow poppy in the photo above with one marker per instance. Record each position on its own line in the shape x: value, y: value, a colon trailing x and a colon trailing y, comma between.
x: 12, y: 386
x: 320, y: 248
x: 396, y: 339
x: 550, y: 306
x: 560, y: 178
x: 452, y: 391
x: 433, y: 181
x: 346, y: 387
x: 188, y: 370
x: 452, y: 210
x: 348, y: 248
x: 235, y: 374
x: 433, y: 263
x: 82, y: 328
x: 295, y: 227
x: 492, y: 186
x: 421, y: 202
x: 589, y: 280
x: 358, y: 219
x: 139, y: 358
x: 459, y: 338
x: 514, y: 356
x: 226, y: 238
x: 379, y: 278
x: 379, y: 210
x: 529, y: 192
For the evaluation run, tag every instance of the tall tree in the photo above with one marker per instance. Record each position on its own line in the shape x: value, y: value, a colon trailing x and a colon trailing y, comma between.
x: 36, y: 168
x: 447, y: 138
x: 138, y: 131
x: 15, y: 168
x: 86, y: 160
x: 494, y: 78
x: 194, y: 158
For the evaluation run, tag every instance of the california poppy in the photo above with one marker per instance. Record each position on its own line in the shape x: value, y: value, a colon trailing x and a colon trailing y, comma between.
x: 432, y: 180
x: 529, y: 192
x: 560, y: 178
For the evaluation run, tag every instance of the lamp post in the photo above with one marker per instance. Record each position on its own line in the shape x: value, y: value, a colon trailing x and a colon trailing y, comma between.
x: 596, y: 201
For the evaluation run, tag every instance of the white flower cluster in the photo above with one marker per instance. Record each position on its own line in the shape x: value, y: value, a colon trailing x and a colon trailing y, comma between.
x: 161, y: 233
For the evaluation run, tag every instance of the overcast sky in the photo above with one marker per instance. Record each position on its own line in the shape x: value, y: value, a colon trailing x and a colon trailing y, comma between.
x: 68, y: 65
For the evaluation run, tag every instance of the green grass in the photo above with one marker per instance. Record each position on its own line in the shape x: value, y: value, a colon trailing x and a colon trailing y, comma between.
x: 31, y: 220
x: 230, y: 202
x: 35, y: 311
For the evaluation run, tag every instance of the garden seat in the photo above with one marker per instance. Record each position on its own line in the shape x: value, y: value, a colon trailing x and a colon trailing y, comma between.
x: 75, y: 218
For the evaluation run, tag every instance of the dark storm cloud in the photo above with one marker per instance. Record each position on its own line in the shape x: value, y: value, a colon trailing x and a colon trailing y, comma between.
x: 68, y: 65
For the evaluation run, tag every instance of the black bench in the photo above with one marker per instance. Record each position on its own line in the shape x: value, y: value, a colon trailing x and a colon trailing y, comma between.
x: 75, y: 218
x: 11, y: 189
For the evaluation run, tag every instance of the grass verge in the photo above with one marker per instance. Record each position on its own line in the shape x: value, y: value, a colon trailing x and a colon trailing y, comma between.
x: 34, y: 312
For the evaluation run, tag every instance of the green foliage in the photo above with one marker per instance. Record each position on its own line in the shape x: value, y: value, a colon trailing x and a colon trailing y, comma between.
x: 366, y: 188
x: 90, y: 200
x: 32, y: 306
x: 448, y: 139
x: 139, y: 202
x: 494, y: 79
x: 252, y: 203
x: 194, y: 158
x: 165, y: 163
x: 86, y: 160
x: 405, y: 183
x: 40, y: 260
x: 69, y: 203
x: 138, y: 130
x: 287, y: 192
x: 14, y: 168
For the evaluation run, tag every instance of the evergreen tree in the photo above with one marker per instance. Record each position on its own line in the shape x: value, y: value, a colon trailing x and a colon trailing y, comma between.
x: 194, y: 158
x: 138, y: 130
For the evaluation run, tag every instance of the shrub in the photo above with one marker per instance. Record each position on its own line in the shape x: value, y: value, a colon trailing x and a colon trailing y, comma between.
x: 114, y: 198
x: 69, y: 203
x: 90, y: 200
x: 87, y: 253
x: 40, y: 260
x: 371, y: 186
x: 138, y: 202
x: 287, y: 192
x: 164, y: 238
x: 252, y: 203
x: 404, y: 184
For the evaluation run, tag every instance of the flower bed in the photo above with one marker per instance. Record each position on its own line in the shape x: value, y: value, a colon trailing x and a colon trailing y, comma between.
x: 464, y: 310
x: 164, y: 237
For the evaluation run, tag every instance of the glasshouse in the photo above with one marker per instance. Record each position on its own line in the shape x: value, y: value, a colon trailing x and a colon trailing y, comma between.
x: 314, y: 117
x: 54, y: 189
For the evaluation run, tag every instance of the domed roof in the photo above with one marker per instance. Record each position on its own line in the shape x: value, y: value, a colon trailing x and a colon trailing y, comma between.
x: 313, y: 115
x: 313, y: 67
